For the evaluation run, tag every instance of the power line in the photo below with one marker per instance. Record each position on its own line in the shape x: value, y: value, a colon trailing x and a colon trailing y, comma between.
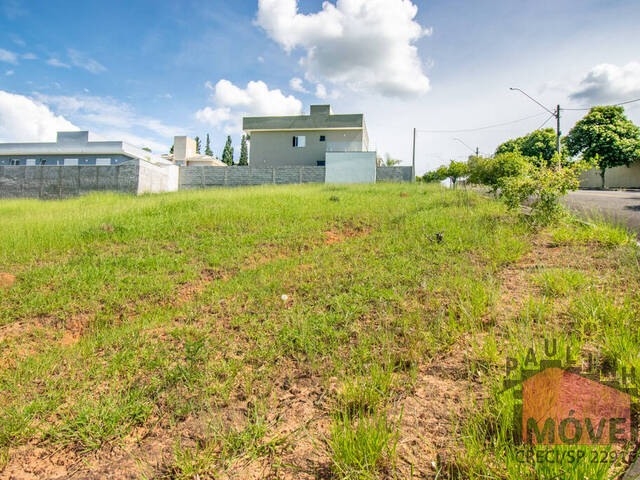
x: 545, y: 122
x: 614, y: 105
x: 630, y: 101
x: 482, y: 128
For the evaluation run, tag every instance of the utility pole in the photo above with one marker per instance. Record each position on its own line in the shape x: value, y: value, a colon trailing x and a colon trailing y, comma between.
x: 413, y: 163
x: 558, y: 134
x: 555, y: 114
x: 477, y: 151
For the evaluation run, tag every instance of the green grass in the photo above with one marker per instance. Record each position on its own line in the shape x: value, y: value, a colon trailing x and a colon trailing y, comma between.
x: 365, y: 448
x: 131, y: 313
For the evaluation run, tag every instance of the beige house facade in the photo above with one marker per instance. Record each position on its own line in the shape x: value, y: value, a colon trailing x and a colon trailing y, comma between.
x: 304, y: 140
x: 617, y: 177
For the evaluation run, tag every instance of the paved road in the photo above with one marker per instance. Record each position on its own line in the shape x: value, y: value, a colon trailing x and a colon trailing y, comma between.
x: 623, y: 207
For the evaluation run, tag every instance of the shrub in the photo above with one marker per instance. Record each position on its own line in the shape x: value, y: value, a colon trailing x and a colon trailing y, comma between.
x: 493, y: 171
x: 543, y: 186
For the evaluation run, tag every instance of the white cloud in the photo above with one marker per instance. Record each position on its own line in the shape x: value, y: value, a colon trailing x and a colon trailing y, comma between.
x: 111, y: 119
x: 80, y: 60
x: 29, y: 56
x: 7, y: 56
x: 8, y: 73
x: 17, y: 40
x: 261, y: 59
x: 137, y: 140
x: 13, y: 9
x: 367, y: 45
x: 23, y: 119
x: 297, y: 84
x: 321, y: 91
x: 214, y: 116
x: 606, y: 83
x: 105, y: 112
x: 54, y: 62
x: 232, y: 103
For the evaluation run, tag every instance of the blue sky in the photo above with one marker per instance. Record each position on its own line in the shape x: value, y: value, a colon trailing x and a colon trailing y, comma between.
x: 146, y: 71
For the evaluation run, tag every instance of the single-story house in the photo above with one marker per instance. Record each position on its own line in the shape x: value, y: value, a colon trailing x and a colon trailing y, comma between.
x: 74, y: 148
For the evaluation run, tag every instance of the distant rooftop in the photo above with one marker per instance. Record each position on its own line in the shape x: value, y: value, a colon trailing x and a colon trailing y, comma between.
x: 78, y: 143
x: 321, y: 117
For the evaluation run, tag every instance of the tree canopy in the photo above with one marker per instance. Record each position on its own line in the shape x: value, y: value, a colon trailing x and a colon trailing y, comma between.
x: 607, y: 137
x: 539, y: 145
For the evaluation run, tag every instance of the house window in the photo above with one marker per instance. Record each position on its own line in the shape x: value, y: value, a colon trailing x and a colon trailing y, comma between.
x: 323, y: 138
x: 70, y: 162
x: 14, y: 161
x: 321, y: 163
x: 103, y: 161
x: 299, y: 142
x: 31, y: 161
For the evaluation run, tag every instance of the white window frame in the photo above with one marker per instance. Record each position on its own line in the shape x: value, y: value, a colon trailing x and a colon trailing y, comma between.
x: 299, y: 141
x: 31, y: 162
x: 103, y: 161
x: 70, y: 162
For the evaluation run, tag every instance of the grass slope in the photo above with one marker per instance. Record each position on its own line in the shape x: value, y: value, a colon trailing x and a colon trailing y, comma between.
x: 299, y: 331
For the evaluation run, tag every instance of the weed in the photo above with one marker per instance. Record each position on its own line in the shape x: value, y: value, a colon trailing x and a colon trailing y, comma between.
x: 559, y: 282
x: 363, y: 448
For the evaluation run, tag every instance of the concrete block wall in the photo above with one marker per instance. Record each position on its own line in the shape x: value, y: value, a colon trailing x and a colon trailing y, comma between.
x: 137, y: 177
x: 50, y: 182
x: 209, y: 176
x: 394, y: 174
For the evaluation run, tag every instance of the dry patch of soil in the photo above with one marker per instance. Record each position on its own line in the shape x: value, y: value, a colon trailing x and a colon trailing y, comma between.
x: 6, y: 280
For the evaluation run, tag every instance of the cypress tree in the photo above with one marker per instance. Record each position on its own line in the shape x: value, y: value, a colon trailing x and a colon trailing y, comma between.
x: 244, y: 156
x: 227, y: 153
x: 197, y: 139
x: 207, y: 147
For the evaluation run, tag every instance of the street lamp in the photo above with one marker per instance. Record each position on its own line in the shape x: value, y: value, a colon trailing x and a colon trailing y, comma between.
x: 556, y: 114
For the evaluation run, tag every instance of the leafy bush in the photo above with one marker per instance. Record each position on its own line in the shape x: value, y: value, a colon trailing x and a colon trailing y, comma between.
x: 431, y: 177
x: 493, y: 171
x: 544, y: 186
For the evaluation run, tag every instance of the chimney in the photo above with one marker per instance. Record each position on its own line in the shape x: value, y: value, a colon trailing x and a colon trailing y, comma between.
x: 320, y: 110
x: 183, y: 148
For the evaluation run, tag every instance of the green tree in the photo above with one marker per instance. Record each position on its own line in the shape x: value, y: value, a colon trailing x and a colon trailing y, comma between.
x: 171, y: 150
x: 606, y: 137
x: 442, y: 172
x: 390, y: 162
x: 431, y: 177
x: 493, y: 171
x: 539, y: 145
x: 227, y: 152
x: 146, y: 149
x: 244, y: 154
x: 207, y: 147
x: 457, y: 170
x: 197, y: 139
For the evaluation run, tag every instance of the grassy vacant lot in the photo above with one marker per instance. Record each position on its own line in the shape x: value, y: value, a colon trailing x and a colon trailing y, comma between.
x: 291, y: 332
